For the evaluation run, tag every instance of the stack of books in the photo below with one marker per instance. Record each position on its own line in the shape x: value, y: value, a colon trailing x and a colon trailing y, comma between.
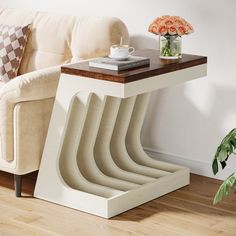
x: 113, y: 64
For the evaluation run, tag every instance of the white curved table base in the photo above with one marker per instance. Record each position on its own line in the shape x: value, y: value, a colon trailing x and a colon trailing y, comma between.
x: 133, y: 142
x: 118, y: 147
x: 93, y: 159
x: 102, y: 150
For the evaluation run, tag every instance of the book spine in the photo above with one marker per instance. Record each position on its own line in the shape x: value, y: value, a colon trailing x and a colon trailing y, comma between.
x: 104, y: 66
x: 134, y: 64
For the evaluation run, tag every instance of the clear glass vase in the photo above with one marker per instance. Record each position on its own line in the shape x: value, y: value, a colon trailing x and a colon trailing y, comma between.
x: 170, y: 46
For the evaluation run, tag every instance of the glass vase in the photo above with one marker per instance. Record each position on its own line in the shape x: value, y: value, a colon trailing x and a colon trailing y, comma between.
x: 170, y: 46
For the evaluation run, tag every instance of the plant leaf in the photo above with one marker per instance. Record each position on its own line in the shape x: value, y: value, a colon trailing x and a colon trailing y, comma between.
x: 224, y: 189
x: 223, y: 164
x: 215, y: 166
x: 225, y: 149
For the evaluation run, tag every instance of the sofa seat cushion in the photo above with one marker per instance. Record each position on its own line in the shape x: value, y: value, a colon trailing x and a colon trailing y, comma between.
x: 12, y: 44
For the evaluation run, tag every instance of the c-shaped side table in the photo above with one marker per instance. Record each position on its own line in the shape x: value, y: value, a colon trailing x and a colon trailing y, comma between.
x: 93, y: 159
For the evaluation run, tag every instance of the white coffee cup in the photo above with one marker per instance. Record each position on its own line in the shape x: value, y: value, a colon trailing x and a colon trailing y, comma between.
x: 118, y: 51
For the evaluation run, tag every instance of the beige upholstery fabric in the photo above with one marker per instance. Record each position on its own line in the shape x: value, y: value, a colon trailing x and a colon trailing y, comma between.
x: 35, y: 85
x: 1, y: 84
x: 56, y: 39
x: 32, y: 86
x: 26, y: 101
x: 30, y: 138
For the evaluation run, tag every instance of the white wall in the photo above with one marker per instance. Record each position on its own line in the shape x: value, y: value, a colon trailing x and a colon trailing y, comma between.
x: 189, y: 120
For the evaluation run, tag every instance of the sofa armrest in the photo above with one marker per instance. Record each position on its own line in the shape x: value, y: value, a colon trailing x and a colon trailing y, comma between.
x: 37, y: 85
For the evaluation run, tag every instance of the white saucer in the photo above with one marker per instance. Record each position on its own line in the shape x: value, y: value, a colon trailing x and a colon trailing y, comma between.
x: 118, y: 58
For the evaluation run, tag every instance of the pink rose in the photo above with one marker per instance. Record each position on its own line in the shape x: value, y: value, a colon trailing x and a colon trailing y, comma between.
x: 179, y: 22
x: 171, y: 25
x: 181, y: 31
x: 157, y: 21
x: 162, y: 30
x: 189, y: 28
x: 172, y: 30
x: 165, y: 17
x: 153, y: 28
x: 168, y: 22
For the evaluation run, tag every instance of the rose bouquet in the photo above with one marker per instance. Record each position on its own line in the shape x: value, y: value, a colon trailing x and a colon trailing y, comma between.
x: 170, y: 29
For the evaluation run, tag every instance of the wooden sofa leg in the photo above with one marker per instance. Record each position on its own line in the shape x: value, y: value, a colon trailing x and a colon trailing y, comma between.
x: 18, y: 184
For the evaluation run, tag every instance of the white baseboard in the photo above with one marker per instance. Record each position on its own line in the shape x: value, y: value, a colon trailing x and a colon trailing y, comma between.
x: 196, y: 167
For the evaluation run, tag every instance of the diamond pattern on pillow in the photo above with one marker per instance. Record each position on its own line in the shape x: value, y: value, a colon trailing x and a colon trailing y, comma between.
x: 13, y: 40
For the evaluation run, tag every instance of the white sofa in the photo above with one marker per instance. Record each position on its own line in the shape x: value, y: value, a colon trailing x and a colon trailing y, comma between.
x: 26, y: 101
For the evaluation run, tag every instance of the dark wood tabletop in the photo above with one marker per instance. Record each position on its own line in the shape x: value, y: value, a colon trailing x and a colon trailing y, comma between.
x: 157, y: 67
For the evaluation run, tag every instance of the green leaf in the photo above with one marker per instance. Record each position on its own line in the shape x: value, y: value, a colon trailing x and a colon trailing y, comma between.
x: 225, y: 149
x: 223, y: 164
x: 224, y: 189
x: 215, y: 166
x: 223, y: 153
x: 233, y: 142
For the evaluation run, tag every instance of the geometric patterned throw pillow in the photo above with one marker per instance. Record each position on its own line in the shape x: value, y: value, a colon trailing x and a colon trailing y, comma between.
x: 13, y: 40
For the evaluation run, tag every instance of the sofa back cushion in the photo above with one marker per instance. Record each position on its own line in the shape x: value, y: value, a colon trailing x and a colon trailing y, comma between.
x: 57, y: 39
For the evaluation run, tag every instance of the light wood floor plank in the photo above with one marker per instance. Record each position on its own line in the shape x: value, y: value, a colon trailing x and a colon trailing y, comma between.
x: 188, y: 211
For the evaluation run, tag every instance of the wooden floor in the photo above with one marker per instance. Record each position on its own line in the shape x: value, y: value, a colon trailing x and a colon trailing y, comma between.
x: 187, y: 212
